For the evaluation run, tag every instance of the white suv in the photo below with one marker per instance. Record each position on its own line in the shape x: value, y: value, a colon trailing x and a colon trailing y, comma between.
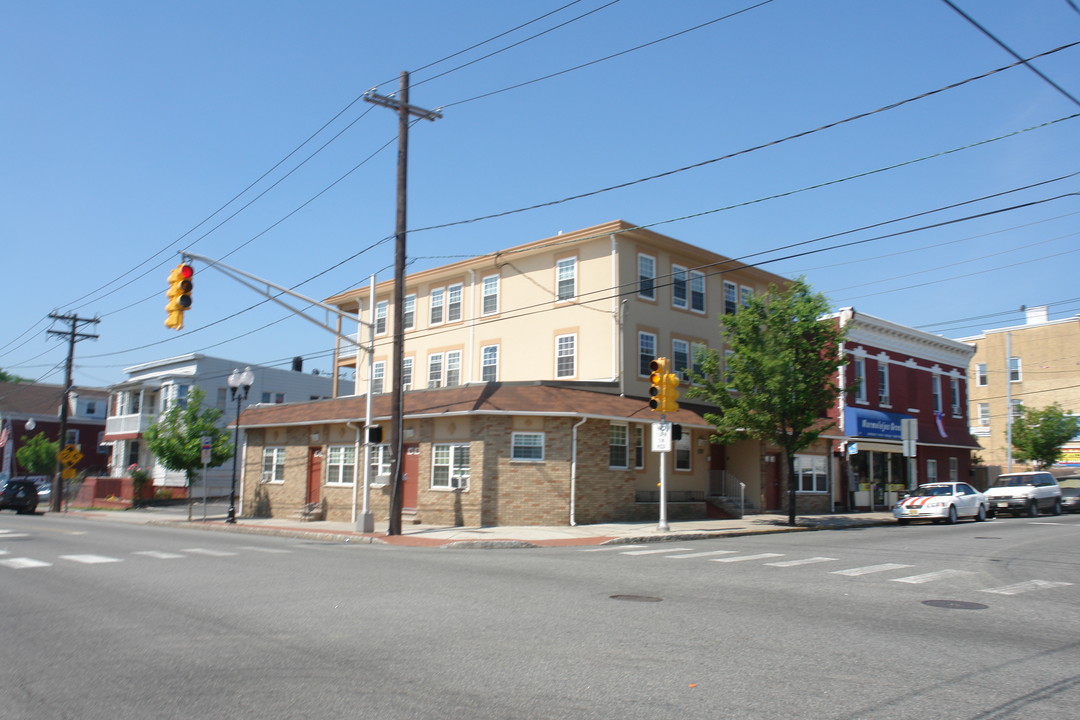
x: 1024, y: 492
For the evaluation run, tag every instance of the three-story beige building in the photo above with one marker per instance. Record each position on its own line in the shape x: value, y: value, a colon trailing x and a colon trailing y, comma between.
x: 526, y: 374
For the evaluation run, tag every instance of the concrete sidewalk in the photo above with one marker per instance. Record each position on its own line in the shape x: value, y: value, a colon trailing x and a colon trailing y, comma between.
x: 493, y: 537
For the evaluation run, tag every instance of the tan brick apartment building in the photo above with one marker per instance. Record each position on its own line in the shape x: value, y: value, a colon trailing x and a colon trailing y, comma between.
x: 526, y: 378
x: 1034, y: 364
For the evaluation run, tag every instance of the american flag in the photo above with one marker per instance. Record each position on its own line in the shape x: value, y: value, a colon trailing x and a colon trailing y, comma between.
x: 5, y: 434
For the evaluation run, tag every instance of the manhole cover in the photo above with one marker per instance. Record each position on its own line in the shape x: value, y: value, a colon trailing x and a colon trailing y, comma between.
x: 636, y: 598
x: 955, y: 604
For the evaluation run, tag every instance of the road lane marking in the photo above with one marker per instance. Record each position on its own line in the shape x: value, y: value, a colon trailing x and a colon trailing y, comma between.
x: 22, y: 563
x: 804, y: 561
x: 656, y: 552
x: 870, y: 569
x: 90, y: 559
x: 930, y: 576
x: 1025, y: 587
x: 704, y: 554
x: 1051, y: 522
x: 275, y: 551
x: 740, y: 558
x: 611, y: 547
x: 206, y: 551
x: 158, y: 554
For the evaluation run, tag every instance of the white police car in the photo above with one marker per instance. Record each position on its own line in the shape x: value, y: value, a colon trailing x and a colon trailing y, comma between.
x: 941, y: 502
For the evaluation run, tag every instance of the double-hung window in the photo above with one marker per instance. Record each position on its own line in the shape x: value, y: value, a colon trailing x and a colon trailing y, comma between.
x: 683, y: 456
x: 566, y: 279
x: 639, y: 446
x: 450, y: 466
x: 381, y: 309
x: 812, y: 472
x: 565, y: 356
x: 984, y: 414
x: 273, y: 465
x: 980, y: 374
x: 680, y: 358
x: 408, y: 309
x: 489, y: 295
x: 954, y: 391
x: 379, y: 463
x: 406, y: 374
x: 378, y: 377
x: 453, y: 303
x: 931, y: 470
x: 618, y: 446
x: 858, y: 370
x: 883, y: 381
x: 731, y: 298
x: 746, y: 295
x: 935, y: 390
x: 1014, y: 370
x: 679, y: 297
x: 697, y: 291
x: 646, y: 352
x: 435, y: 370
x: 646, y: 270
x: 453, y: 368
x: 527, y: 446
x: 489, y: 363
x: 438, y: 306
x: 340, y: 464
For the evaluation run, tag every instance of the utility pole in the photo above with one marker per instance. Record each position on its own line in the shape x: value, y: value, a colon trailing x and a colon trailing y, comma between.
x: 73, y: 336
x: 397, y: 411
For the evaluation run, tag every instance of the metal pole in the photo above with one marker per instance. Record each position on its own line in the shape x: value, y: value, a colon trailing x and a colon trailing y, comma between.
x: 231, y: 517
x: 366, y: 522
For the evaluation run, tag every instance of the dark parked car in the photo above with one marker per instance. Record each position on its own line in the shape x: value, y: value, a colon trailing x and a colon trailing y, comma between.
x: 19, y: 495
x: 1070, y: 493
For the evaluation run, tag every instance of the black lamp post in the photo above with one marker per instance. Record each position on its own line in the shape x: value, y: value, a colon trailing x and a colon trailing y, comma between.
x: 239, y: 384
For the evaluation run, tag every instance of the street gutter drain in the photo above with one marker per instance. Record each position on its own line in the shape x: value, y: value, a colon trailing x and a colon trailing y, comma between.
x: 636, y: 598
x: 955, y: 604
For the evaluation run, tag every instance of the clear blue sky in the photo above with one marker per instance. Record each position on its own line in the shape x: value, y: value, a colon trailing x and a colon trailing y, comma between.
x: 126, y: 124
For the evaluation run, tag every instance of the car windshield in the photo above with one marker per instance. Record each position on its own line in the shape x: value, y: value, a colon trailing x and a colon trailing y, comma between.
x: 1013, y: 481
x: 927, y: 490
x: 1070, y: 492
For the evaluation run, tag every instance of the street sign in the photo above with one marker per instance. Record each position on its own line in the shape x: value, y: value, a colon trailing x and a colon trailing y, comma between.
x: 70, y: 455
x: 68, y: 473
x: 661, y: 437
x: 206, y: 445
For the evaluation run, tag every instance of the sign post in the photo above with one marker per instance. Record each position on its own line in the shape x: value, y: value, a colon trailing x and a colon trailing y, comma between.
x: 206, y: 447
x: 661, y: 443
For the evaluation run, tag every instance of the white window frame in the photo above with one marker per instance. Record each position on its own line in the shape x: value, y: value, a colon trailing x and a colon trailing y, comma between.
x: 931, y: 470
x: 406, y: 374
x: 340, y: 462
x: 883, y: 383
x: 378, y: 377
x: 618, y: 445
x: 679, y: 367
x: 489, y: 363
x: 437, y: 306
x: 379, y: 463
x: 812, y: 474
x: 408, y: 316
x: 273, y: 465
x: 935, y: 392
x: 566, y: 279
x: 680, y: 287
x: 731, y: 298
x: 566, y: 351
x: 980, y: 375
x: 527, y: 447
x: 745, y: 295
x: 639, y: 446
x: 453, y: 368
x: 455, y: 479
x: 646, y: 352
x: 646, y: 265
x: 1015, y: 370
x: 697, y: 292
x: 954, y: 469
x: 954, y: 391
x: 984, y: 414
x: 435, y: 370
x: 489, y: 295
x: 858, y: 369
x: 454, y: 302
x: 382, y: 310
x: 683, y: 452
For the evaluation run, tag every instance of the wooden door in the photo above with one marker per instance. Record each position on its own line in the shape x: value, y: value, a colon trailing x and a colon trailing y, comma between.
x: 410, y: 476
x: 314, y: 475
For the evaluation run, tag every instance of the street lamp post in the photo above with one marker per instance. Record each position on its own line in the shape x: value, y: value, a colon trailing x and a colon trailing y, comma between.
x: 239, y: 385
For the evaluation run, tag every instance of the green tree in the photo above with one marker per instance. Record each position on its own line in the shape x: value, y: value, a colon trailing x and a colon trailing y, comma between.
x: 779, y: 375
x: 1039, y: 434
x: 176, y: 438
x: 8, y: 377
x: 37, y: 455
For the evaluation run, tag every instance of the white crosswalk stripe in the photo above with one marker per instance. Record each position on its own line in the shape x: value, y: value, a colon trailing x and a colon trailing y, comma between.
x: 870, y: 569
x: 23, y: 563
x: 608, y: 548
x: 1025, y: 587
x: 269, y: 551
x: 703, y: 554
x: 158, y: 554
x: 208, y: 551
x: 804, y: 561
x: 930, y: 576
x: 740, y: 558
x: 90, y: 559
x: 654, y: 551
x: 12, y: 535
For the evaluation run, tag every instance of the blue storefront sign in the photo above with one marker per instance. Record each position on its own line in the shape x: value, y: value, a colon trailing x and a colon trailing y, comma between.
x: 873, y: 424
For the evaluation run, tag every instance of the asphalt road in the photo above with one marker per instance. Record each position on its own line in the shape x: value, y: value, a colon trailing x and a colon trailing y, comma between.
x: 110, y: 621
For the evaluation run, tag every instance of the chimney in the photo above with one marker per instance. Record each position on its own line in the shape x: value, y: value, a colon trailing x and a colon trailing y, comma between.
x: 1037, y: 314
x: 298, y: 364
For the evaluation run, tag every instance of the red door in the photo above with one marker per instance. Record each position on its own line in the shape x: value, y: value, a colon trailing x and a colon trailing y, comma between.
x: 314, y: 475
x: 410, y: 476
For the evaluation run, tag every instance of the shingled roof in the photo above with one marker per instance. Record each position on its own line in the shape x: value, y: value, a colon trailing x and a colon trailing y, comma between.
x: 40, y: 399
x: 489, y: 398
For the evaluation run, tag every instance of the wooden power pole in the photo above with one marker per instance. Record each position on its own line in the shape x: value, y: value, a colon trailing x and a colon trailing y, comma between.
x: 405, y: 111
x: 73, y: 336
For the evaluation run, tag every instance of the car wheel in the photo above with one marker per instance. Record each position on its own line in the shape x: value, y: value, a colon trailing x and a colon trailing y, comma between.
x: 1033, y: 508
x: 981, y: 515
x: 991, y: 512
x: 1057, y: 507
x: 902, y: 521
x: 951, y: 519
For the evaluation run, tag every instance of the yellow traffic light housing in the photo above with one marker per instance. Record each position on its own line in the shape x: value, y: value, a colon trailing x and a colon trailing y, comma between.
x: 664, y: 387
x: 179, y: 294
